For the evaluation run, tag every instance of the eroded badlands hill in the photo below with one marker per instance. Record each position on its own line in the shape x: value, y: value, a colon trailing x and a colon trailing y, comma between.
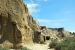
x: 16, y: 24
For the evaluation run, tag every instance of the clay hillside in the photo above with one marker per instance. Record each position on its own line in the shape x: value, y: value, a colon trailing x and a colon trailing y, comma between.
x: 18, y: 28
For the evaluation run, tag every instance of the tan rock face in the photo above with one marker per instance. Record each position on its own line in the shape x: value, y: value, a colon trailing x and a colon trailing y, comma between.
x: 52, y: 33
x: 15, y: 23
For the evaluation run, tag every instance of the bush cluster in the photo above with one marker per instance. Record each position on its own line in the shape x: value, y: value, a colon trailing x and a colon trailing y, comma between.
x: 25, y: 48
x: 67, y: 44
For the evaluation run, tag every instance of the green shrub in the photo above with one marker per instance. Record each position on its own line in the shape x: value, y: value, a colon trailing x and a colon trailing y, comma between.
x: 25, y: 48
x: 67, y: 44
x: 52, y: 45
x: 4, y: 49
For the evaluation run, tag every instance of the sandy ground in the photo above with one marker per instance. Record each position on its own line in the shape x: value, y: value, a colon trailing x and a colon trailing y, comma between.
x: 39, y: 47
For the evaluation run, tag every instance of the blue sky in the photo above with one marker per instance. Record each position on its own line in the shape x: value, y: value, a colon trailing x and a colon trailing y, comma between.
x: 53, y: 13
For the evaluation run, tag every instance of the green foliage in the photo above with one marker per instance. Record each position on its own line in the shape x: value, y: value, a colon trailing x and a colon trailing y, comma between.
x: 67, y: 44
x: 53, y: 43
x: 73, y: 34
x: 25, y: 48
x: 4, y: 49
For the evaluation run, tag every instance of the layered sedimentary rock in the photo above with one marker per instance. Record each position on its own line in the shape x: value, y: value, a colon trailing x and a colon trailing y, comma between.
x: 51, y: 34
x: 16, y: 24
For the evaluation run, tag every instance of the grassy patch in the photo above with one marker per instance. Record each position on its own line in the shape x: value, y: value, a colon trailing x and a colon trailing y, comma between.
x: 4, y: 49
x: 67, y: 44
x: 25, y: 48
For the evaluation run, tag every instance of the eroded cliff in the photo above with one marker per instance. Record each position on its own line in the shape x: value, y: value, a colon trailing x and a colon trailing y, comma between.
x: 16, y: 24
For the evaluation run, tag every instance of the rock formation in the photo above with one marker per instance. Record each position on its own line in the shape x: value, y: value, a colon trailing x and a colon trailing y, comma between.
x: 52, y: 34
x: 18, y: 28
x: 16, y: 24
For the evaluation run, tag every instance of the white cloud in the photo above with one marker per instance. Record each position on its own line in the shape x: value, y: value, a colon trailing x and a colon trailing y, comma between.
x: 47, y: 20
x: 33, y: 7
x: 51, y: 23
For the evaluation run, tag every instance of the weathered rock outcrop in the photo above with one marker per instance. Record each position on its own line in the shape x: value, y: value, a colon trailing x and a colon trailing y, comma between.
x: 51, y: 34
x: 35, y: 29
x: 16, y: 24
